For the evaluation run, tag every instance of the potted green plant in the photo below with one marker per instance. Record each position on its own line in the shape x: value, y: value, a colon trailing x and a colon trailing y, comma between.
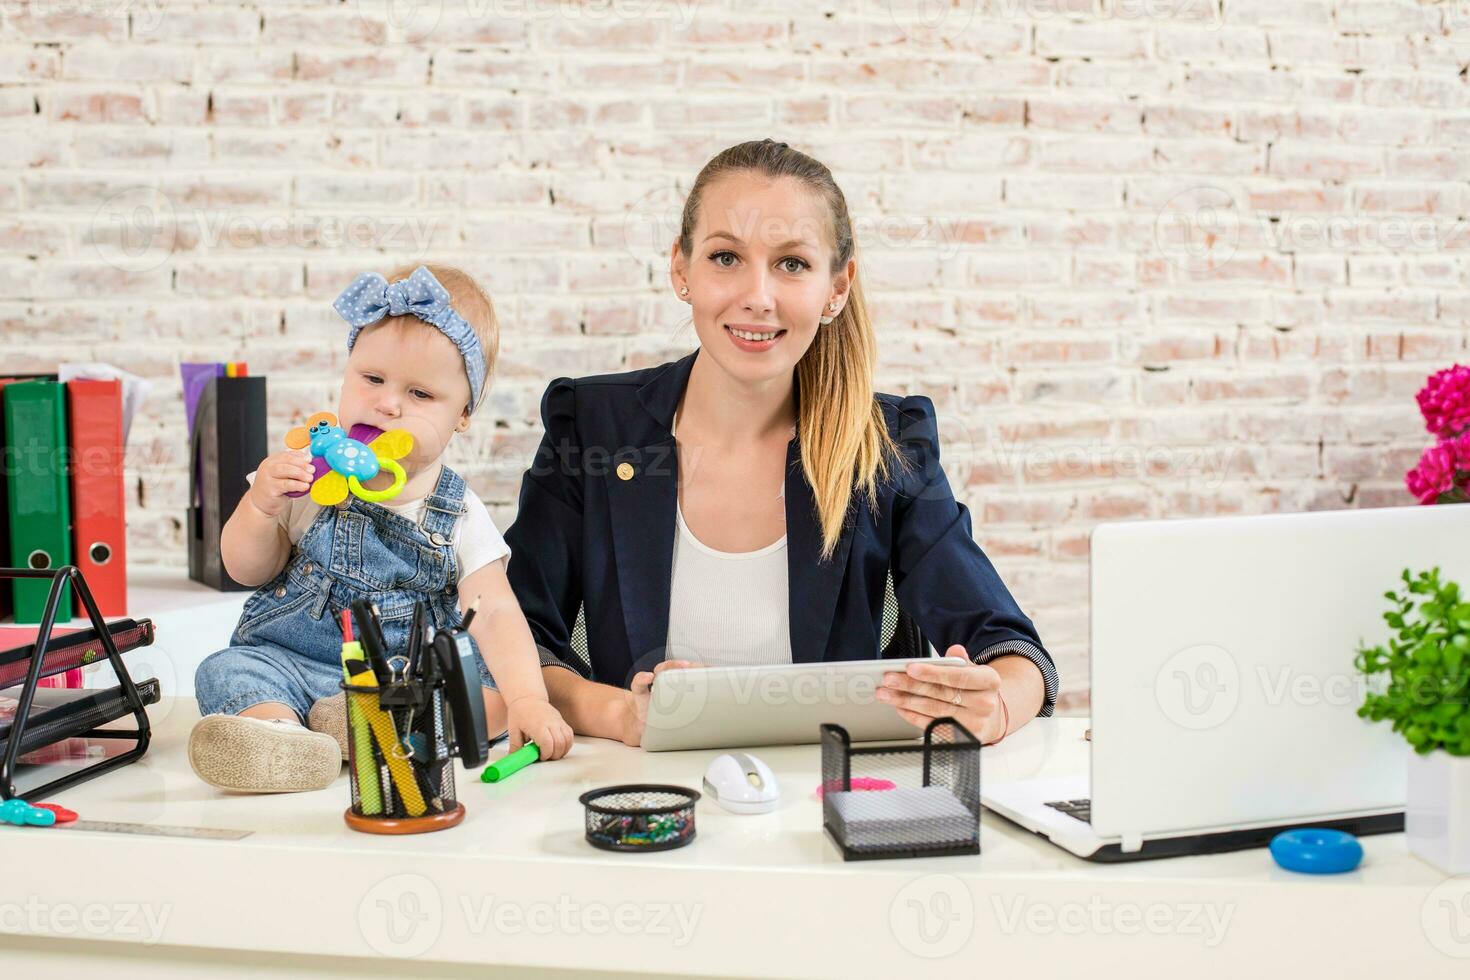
x: 1426, y: 664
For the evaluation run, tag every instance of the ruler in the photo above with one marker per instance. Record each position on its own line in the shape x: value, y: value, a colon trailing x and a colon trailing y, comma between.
x: 153, y: 830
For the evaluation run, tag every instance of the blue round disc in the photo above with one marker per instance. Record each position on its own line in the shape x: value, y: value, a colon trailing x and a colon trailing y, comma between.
x: 1316, y: 851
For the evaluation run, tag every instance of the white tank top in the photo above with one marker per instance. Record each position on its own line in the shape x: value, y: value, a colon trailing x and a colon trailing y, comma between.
x: 728, y: 608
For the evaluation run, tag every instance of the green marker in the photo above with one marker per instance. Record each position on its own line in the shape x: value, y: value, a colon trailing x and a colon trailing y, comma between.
x: 513, y: 763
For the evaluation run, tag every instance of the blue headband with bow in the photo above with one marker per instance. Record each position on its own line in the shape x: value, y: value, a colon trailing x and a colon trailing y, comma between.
x: 370, y: 298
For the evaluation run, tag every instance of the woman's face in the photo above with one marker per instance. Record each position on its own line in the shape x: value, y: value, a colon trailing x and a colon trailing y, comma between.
x: 759, y: 274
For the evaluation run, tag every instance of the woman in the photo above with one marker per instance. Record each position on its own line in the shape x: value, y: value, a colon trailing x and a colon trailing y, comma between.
x: 747, y: 503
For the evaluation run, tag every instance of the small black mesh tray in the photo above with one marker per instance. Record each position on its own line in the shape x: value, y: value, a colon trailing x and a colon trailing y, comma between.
x: 639, y: 817
x: 932, y: 809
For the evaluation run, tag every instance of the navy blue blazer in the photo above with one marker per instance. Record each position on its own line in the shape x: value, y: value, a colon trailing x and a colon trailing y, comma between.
x: 596, y: 528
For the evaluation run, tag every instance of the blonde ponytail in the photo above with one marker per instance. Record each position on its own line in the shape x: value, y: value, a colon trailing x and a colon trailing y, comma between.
x: 845, y: 445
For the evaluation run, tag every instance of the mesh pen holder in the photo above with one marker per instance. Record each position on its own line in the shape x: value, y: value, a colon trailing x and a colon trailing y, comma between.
x: 400, y: 763
x: 639, y: 817
x: 932, y: 809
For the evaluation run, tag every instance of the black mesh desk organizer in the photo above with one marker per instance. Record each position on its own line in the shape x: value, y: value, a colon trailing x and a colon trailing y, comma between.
x: 932, y: 808
x: 60, y: 715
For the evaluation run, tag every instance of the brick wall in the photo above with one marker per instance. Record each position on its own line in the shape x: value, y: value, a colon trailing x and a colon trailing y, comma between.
x: 1149, y: 257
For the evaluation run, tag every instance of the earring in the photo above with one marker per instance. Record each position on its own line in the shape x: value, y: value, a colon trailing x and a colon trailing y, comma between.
x: 832, y: 315
x: 683, y: 290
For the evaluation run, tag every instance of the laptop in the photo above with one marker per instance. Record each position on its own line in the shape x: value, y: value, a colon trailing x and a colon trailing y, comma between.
x: 1224, y: 695
x: 778, y: 704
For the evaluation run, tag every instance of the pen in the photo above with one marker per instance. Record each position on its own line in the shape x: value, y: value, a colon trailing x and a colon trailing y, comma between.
x: 372, y: 640
x: 415, y: 637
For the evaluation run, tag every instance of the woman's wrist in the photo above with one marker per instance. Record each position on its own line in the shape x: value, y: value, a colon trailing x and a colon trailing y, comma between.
x: 1005, y: 717
x: 620, y: 711
x: 590, y: 707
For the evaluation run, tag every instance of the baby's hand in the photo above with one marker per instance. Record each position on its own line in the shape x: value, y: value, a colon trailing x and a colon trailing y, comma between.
x: 534, y: 719
x: 285, y: 472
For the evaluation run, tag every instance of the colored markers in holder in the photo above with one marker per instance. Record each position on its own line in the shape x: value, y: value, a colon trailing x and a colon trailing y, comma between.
x: 407, y: 726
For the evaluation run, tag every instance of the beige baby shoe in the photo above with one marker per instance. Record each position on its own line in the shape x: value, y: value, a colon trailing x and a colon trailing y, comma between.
x: 329, y: 716
x: 253, y: 755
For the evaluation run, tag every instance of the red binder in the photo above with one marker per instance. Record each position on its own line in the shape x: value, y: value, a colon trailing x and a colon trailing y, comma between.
x: 99, y: 531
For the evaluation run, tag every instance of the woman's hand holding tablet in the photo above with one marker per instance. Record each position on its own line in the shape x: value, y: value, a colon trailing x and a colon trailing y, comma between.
x: 969, y: 693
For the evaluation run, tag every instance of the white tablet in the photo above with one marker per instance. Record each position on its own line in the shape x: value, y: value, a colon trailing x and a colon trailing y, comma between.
x: 737, y: 707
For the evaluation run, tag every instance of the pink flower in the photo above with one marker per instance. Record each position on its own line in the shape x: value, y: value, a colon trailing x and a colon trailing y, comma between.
x: 1445, y: 402
x: 1443, y: 469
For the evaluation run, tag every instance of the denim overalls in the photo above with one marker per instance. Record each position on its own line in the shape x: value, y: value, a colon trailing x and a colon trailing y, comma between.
x: 288, y: 644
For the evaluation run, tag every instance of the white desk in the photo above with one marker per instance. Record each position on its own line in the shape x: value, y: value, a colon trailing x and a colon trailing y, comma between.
x: 516, y: 885
x: 192, y: 621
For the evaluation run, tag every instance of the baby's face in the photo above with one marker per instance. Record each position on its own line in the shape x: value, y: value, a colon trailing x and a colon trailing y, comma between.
x: 406, y: 376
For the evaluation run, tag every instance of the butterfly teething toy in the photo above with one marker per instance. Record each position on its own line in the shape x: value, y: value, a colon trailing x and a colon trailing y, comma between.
x: 342, y: 461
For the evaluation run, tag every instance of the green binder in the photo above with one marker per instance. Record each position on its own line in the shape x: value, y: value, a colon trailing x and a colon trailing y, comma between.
x: 40, y: 498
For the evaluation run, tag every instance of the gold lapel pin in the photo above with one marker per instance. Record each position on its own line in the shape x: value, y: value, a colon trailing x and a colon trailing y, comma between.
x: 625, y: 471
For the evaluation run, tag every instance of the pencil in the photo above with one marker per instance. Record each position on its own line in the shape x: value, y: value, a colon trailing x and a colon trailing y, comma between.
x: 464, y: 624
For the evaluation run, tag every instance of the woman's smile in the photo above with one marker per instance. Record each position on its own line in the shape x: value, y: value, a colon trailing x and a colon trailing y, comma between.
x: 752, y: 337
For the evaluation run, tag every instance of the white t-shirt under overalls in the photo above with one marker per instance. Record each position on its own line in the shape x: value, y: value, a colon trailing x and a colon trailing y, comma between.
x: 477, y: 541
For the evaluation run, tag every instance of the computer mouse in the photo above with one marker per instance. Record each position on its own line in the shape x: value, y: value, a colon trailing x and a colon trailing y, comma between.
x: 741, y: 783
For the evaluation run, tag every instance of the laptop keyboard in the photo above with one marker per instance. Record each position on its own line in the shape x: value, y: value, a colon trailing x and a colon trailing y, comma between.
x: 1081, y: 809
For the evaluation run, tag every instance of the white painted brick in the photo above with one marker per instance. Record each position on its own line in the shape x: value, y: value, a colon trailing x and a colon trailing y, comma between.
x: 604, y: 31
x: 96, y: 105
x: 406, y: 153
x: 1126, y: 80
x: 113, y: 63
x: 365, y: 190
x: 1328, y: 162
x: 1064, y: 192
x: 170, y: 148
x: 1240, y: 84
x: 225, y: 191
x: 181, y: 107
x: 942, y: 194
x: 1387, y: 17
x: 593, y: 71
x: 1086, y: 155
x: 1188, y: 43
x: 18, y: 105
x: 1314, y: 49
x: 228, y: 63
x: 27, y: 63
x: 1213, y: 157
x: 1288, y: 13
x: 1021, y: 176
x: 373, y: 67
x: 364, y: 25
x: 1386, y: 126
x: 66, y: 23
x: 1112, y: 40
x: 159, y: 21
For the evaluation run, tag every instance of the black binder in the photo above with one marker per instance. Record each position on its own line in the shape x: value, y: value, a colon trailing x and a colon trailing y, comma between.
x: 45, y: 717
x: 229, y: 442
